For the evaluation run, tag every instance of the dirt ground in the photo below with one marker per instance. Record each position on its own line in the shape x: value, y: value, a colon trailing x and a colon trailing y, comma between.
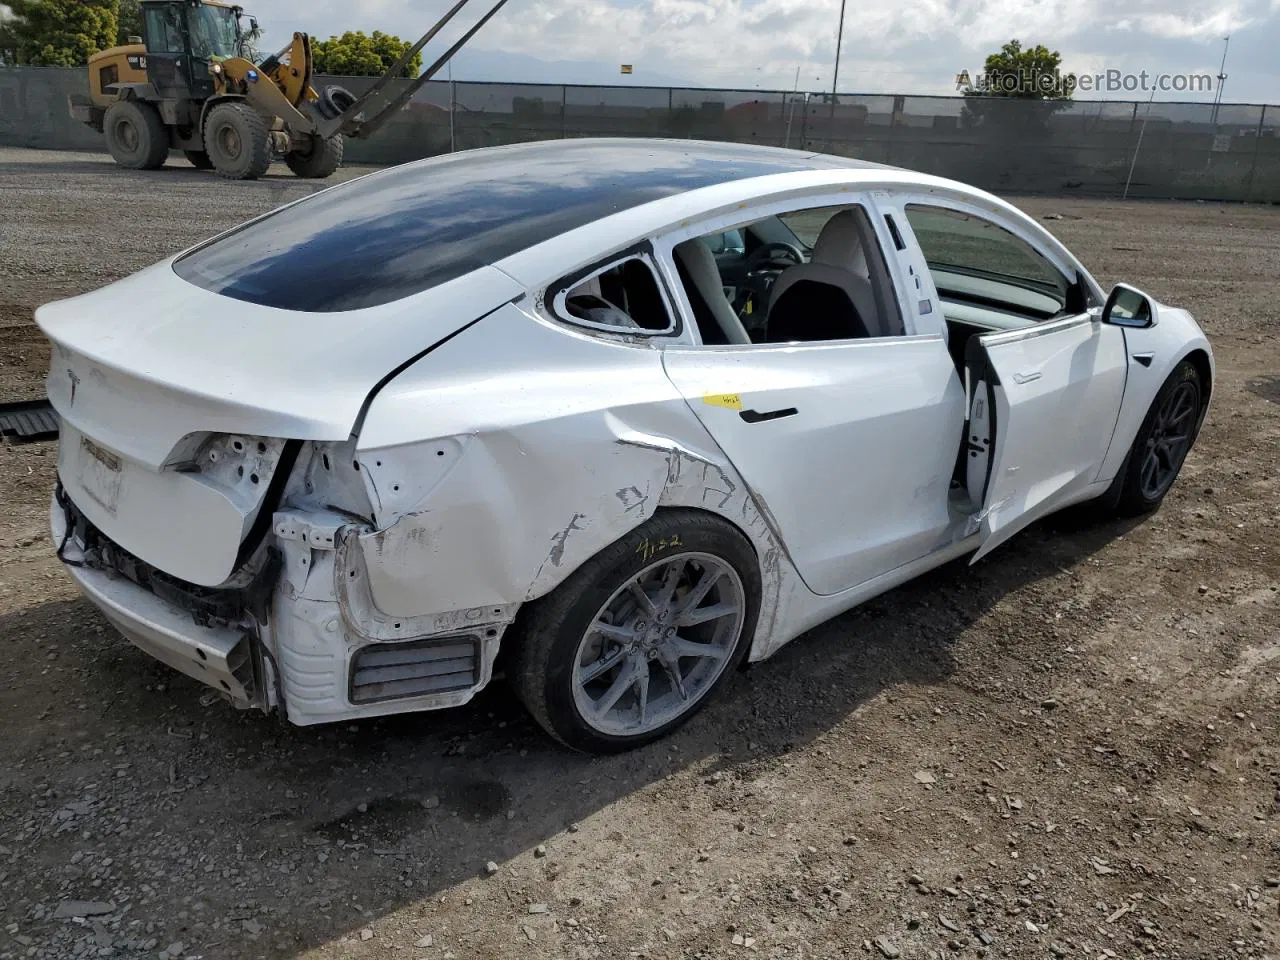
x: 1071, y: 749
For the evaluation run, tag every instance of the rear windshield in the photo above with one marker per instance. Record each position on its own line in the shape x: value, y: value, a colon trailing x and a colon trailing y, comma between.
x: 405, y: 230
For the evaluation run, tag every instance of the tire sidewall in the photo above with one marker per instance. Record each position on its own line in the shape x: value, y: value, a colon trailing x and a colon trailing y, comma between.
x: 249, y: 164
x: 621, y: 562
x: 217, y: 122
x: 147, y: 127
x: 322, y: 160
x: 1132, y: 499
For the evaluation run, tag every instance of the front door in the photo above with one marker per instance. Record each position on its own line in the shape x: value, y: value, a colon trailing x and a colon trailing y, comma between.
x: 168, y: 59
x: 1043, y: 405
x: 848, y: 446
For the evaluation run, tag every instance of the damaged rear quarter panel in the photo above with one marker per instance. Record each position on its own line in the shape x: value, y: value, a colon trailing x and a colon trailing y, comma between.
x: 544, y: 445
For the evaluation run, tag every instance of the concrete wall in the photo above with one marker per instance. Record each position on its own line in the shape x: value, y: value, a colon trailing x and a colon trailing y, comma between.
x: 1081, y: 147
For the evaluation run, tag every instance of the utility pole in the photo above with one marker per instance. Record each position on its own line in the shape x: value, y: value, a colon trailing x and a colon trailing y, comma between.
x: 835, y: 80
x: 791, y: 107
x: 1222, y: 79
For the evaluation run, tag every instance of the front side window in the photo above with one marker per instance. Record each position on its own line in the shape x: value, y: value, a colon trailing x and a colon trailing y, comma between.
x: 214, y: 34
x: 807, y: 225
x: 729, y: 243
x: 164, y: 30
x: 810, y: 275
x: 976, y: 262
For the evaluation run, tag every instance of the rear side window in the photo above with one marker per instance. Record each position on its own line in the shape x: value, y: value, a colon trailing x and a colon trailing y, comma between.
x: 624, y: 296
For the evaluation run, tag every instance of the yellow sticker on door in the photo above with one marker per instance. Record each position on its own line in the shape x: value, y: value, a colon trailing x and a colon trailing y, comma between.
x: 730, y: 401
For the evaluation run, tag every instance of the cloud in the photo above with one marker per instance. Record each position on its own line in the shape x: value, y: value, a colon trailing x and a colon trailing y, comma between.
x: 905, y: 47
x: 1174, y: 26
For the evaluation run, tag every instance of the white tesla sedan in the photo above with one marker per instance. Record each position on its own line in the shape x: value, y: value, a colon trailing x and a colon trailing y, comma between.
x: 625, y: 412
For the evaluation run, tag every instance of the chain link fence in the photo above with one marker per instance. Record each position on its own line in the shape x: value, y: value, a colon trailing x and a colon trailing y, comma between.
x: 1093, y: 148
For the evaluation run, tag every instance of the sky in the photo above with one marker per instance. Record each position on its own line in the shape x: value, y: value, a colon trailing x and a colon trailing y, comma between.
x: 916, y: 47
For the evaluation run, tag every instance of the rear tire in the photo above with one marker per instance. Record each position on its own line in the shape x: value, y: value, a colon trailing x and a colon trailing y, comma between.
x: 136, y: 136
x: 198, y: 159
x: 1163, y: 442
x: 319, y: 160
x: 237, y: 141
x: 595, y: 667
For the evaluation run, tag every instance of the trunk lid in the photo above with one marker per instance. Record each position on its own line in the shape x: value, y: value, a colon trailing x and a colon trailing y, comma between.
x: 176, y: 402
x: 144, y: 362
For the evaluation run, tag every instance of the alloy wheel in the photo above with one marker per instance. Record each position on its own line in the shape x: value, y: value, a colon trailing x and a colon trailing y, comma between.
x: 1169, y: 440
x: 659, y: 644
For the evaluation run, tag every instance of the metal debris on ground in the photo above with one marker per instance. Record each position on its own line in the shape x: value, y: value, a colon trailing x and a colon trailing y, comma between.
x: 28, y: 421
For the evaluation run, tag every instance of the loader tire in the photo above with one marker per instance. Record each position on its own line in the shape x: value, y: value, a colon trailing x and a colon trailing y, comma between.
x: 237, y: 141
x: 334, y: 102
x: 198, y: 159
x: 136, y: 136
x: 319, y: 159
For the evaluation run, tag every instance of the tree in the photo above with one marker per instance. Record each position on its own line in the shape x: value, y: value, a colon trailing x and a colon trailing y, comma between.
x: 130, y: 20
x: 360, y: 55
x: 57, y: 33
x: 1020, y: 73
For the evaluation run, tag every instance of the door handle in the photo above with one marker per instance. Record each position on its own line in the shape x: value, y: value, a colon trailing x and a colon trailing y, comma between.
x: 1030, y: 376
x: 754, y: 416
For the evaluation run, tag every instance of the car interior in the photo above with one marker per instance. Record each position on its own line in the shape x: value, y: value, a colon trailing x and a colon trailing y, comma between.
x: 797, y: 278
x: 821, y: 275
x: 625, y: 295
x: 987, y: 278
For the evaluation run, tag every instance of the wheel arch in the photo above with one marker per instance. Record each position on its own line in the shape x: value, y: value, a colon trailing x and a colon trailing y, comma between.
x: 1199, y: 358
x: 1154, y: 353
x: 493, y: 489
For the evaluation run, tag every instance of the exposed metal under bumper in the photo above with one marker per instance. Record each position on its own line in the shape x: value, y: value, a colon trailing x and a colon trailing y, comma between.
x: 217, y: 656
x: 221, y: 656
x: 391, y: 671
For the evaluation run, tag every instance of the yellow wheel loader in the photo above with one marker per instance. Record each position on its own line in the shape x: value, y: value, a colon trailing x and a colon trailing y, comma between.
x: 188, y: 85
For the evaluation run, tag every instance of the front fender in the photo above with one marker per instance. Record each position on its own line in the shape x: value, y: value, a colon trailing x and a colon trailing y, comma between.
x: 1173, y: 338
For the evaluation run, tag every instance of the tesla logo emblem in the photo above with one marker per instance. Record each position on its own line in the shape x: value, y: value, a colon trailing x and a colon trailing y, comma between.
x: 75, y: 382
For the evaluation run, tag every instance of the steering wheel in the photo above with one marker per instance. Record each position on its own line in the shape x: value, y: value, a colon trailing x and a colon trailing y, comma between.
x: 773, y: 253
x: 759, y: 273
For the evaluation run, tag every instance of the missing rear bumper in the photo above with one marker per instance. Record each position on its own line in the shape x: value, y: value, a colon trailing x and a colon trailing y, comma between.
x: 209, y: 635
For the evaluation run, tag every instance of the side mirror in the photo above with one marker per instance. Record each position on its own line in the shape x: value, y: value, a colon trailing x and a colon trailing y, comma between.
x: 253, y: 24
x: 1128, y: 307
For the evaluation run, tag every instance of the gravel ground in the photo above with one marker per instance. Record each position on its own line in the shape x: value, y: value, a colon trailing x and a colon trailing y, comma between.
x: 1068, y: 750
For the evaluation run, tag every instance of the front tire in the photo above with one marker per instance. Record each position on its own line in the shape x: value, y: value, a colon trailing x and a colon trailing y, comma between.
x: 1163, y: 442
x: 638, y: 639
x: 237, y: 141
x: 136, y: 136
x: 318, y: 159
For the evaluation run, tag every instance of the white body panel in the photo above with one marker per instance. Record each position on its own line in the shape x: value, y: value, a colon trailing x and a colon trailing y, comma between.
x: 189, y: 525
x: 1174, y: 336
x: 852, y: 496
x: 508, y: 448
x: 1058, y: 395
x: 153, y: 358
